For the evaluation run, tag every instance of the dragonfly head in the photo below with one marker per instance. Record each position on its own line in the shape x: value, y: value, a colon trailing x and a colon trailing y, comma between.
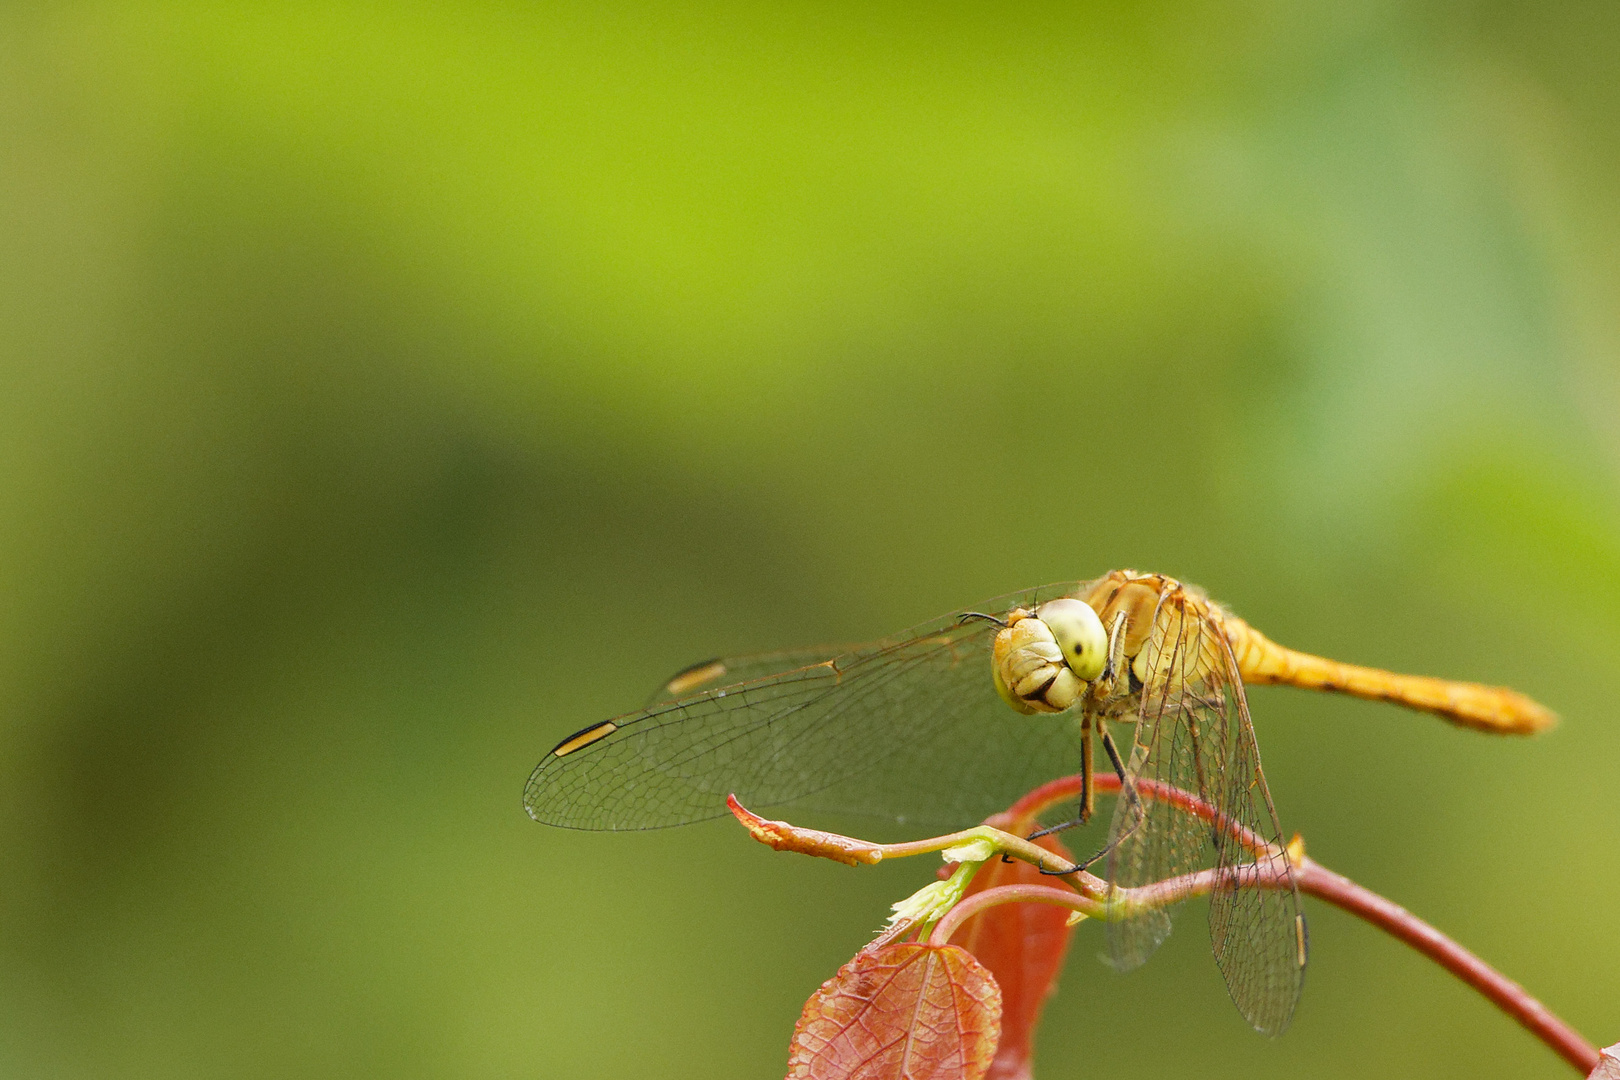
x: 1042, y: 660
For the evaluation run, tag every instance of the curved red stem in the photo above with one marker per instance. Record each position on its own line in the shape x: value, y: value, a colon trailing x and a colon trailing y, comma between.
x: 1502, y: 991
x: 1336, y: 889
x: 1001, y: 894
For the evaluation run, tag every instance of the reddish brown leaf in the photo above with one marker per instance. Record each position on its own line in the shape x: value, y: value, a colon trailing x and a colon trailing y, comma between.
x: 1023, y: 946
x: 902, y: 1012
x: 784, y: 836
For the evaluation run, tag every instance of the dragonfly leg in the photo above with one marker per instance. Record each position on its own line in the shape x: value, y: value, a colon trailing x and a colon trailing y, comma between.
x: 1049, y: 830
x: 1128, y: 790
x: 1086, y: 786
x: 1116, y: 650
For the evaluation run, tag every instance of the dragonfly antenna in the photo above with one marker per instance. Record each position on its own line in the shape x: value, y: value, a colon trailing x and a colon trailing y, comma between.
x: 966, y: 615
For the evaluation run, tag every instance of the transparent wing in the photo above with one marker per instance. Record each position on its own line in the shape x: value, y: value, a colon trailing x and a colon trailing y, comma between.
x: 1194, y: 733
x: 1152, y: 841
x: 1258, y: 935
x: 909, y: 729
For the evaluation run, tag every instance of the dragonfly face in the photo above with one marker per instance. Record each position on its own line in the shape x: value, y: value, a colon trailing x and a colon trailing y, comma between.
x: 1042, y: 661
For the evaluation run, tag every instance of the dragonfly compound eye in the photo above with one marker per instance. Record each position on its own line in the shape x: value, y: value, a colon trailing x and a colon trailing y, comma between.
x: 1079, y: 633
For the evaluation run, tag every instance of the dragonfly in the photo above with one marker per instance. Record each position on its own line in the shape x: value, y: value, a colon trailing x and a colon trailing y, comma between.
x: 953, y: 720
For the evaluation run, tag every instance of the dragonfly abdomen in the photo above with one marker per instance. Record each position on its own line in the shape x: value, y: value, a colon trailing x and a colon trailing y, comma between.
x: 1486, y: 708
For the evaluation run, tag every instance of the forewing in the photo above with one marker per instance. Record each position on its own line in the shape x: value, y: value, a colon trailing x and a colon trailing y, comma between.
x: 909, y: 729
x: 1195, y: 734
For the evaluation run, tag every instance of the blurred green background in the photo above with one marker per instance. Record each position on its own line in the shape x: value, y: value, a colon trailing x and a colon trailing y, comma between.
x: 390, y: 390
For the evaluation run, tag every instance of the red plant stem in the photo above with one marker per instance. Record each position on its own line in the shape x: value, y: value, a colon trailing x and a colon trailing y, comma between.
x: 1318, y: 881
x: 1503, y: 992
x: 1006, y: 894
x: 1269, y: 871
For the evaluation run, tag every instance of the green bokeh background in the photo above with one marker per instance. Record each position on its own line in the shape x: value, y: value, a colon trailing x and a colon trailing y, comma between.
x: 390, y: 390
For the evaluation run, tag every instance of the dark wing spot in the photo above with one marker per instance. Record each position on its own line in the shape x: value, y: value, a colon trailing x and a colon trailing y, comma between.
x: 584, y: 737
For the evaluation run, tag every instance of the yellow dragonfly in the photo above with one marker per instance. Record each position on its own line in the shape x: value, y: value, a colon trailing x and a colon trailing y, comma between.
x: 917, y: 728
